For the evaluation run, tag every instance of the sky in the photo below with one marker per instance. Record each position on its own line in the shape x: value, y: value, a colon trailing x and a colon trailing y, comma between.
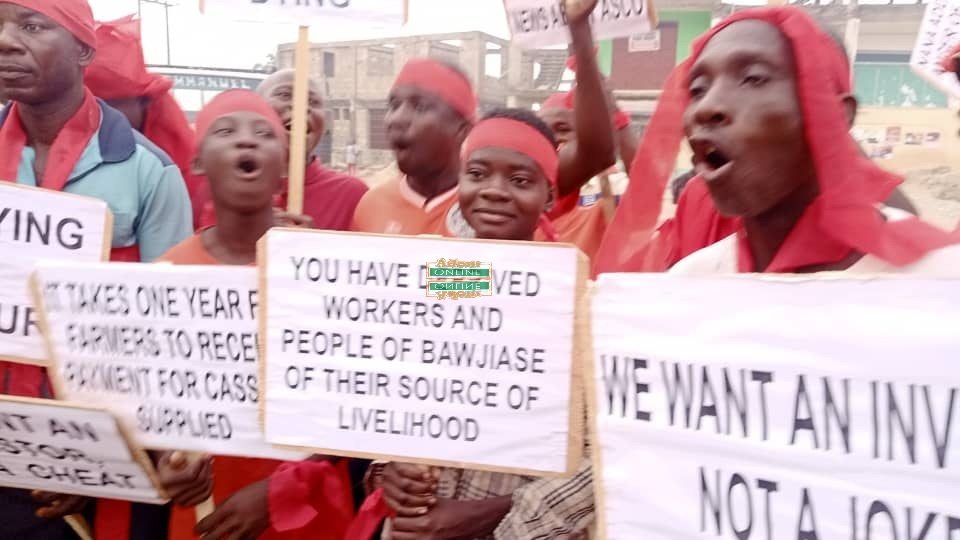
x: 201, y: 41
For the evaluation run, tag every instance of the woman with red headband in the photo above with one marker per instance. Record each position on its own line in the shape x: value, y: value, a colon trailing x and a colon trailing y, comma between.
x: 508, y: 179
x: 508, y: 184
x: 805, y: 207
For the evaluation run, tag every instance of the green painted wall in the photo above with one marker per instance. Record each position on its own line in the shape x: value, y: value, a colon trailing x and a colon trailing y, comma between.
x: 893, y: 85
x: 605, y: 57
x: 691, y: 24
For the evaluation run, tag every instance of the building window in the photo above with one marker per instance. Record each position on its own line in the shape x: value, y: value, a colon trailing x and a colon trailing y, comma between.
x: 378, y: 130
x: 379, y: 62
x: 336, y: 114
x: 346, y: 114
x: 329, y: 64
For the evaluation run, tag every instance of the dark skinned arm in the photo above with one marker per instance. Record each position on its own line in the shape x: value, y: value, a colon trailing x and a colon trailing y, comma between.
x: 594, y: 149
x: 450, y: 519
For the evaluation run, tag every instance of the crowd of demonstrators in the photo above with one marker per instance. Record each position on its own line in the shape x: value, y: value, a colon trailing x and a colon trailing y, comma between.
x: 778, y: 185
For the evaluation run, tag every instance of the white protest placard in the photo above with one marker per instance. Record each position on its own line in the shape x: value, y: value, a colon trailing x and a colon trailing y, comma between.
x: 774, y: 408
x: 65, y: 448
x: 543, y: 23
x: 472, y: 365
x: 171, y: 350
x: 38, y: 224
x: 939, y: 34
x: 334, y: 13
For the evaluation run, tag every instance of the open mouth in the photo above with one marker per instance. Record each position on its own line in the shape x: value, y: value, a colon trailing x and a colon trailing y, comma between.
x: 715, y: 158
x: 248, y: 167
x: 709, y: 160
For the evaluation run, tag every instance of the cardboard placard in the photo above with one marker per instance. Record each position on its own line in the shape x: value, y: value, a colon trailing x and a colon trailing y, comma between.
x: 74, y: 449
x: 425, y: 350
x: 359, y: 13
x: 939, y: 34
x: 748, y: 407
x: 171, y: 350
x: 543, y: 23
x: 38, y: 224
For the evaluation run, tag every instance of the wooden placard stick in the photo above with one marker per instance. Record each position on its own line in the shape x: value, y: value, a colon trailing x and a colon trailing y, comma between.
x: 606, y: 198
x: 298, y: 129
x: 80, y: 526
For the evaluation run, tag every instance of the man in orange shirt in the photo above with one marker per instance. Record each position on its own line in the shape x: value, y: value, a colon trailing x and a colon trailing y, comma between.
x: 242, y: 153
x: 430, y: 111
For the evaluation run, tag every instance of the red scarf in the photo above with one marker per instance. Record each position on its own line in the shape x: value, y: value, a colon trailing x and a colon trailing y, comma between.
x: 65, y: 151
x: 24, y: 380
x: 842, y: 219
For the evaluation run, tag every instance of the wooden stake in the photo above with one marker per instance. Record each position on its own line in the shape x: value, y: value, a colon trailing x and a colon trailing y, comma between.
x: 606, y: 198
x: 204, y: 509
x: 298, y: 130
x: 80, y: 526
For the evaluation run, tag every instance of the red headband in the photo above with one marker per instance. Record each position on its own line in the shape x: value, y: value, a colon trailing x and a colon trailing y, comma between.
x: 842, y: 218
x: 442, y: 81
x: 74, y: 15
x: 515, y: 135
x: 233, y: 101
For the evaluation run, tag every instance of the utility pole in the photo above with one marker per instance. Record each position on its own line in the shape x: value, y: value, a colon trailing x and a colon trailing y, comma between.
x: 166, y: 18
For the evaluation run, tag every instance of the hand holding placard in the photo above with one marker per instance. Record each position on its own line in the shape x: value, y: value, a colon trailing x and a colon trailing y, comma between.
x: 187, y: 479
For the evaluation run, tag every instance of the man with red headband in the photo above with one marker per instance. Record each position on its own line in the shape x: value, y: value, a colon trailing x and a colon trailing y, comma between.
x: 56, y: 135
x: 573, y: 116
x: 430, y: 110
x: 119, y: 76
x: 755, y: 85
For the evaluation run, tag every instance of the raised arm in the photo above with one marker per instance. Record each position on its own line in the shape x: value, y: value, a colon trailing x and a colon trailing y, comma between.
x: 593, y: 149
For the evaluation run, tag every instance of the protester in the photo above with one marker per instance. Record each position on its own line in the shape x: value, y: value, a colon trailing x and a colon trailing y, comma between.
x: 507, y: 186
x: 329, y: 197
x: 635, y: 242
x: 584, y: 226
x: 242, y: 152
x: 770, y: 141
x: 57, y: 136
x: 119, y: 76
x: 430, y: 110
x: 352, y: 153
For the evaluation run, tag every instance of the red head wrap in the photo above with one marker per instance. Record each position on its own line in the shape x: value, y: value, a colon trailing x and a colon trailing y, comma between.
x: 436, y: 78
x: 233, y: 101
x: 119, y: 71
x: 519, y: 136
x: 74, y: 15
x: 841, y: 219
